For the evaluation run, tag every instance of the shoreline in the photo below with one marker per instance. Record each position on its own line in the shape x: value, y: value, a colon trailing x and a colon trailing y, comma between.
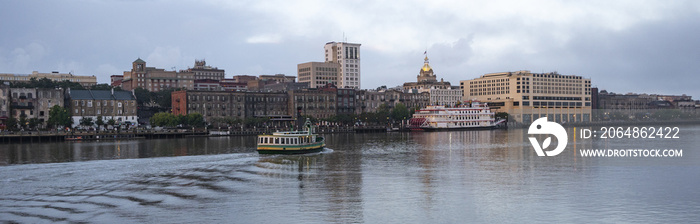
x: 61, y: 136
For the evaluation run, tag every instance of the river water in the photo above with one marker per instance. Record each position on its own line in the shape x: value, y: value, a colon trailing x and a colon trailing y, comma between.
x: 491, y: 176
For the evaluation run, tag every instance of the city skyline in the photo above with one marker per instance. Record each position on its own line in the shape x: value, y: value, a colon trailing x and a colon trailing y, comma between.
x: 622, y: 46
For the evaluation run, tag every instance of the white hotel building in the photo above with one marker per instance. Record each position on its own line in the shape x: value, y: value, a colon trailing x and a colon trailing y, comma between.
x: 348, y: 56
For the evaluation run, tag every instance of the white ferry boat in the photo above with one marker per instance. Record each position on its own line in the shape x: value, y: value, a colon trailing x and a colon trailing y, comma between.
x: 291, y: 142
x: 473, y: 115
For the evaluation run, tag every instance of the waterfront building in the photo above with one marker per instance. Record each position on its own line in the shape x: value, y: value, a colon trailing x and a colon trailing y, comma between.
x: 110, y: 104
x: 685, y: 104
x: 345, y: 99
x: 318, y: 74
x: 5, y: 102
x: 202, y: 71
x: 633, y: 101
x: 367, y: 101
x: 527, y: 96
x: 635, y: 105
x: 85, y: 81
x: 348, y: 56
x: 34, y: 102
x: 230, y: 104
x: 630, y: 101
x: 155, y: 79
x: 46, y: 99
x: 209, y: 103
x: 317, y: 103
x: 449, y: 97
x: 24, y: 101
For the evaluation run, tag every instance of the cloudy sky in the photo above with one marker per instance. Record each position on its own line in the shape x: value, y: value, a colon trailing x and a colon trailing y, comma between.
x: 624, y: 46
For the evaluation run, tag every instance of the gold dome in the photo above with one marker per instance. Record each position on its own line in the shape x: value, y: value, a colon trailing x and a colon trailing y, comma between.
x: 426, y: 66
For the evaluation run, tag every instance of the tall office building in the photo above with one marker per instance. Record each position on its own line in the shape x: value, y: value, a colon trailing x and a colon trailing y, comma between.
x: 318, y: 74
x: 348, y: 56
x: 527, y: 96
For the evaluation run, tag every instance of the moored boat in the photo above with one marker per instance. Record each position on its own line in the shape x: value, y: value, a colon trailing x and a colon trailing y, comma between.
x: 472, y: 115
x: 291, y: 142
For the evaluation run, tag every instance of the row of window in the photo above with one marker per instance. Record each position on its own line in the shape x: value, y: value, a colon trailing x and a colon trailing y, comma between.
x: 287, y: 140
x: 99, y: 112
x: 104, y: 102
x: 27, y: 79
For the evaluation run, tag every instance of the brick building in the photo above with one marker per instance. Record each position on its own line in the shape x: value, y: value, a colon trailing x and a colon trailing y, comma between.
x: 110, y: 104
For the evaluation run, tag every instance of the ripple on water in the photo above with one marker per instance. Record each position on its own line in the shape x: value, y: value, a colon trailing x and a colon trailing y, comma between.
x: 141, y: 191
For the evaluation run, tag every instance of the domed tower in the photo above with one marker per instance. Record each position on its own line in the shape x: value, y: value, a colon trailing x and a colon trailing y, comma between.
x: 426, y: 73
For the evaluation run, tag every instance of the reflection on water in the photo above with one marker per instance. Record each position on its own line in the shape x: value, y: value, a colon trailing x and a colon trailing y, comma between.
x: 453, y: 177
x: 121, y: 149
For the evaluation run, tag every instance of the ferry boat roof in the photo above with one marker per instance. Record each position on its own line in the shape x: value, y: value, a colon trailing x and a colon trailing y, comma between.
x: 291, y: 133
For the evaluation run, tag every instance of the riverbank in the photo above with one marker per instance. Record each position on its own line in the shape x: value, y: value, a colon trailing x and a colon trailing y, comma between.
x: 59, y: 136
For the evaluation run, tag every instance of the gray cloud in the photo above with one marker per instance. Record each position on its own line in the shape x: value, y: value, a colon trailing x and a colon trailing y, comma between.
x: 623, y: 46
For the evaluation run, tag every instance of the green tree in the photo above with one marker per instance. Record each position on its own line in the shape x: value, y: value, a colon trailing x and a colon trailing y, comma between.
x: 59, y: 117
x: 111, y: 122
x: 400, y: 112
x: 86, y: 122
x: 99, y: 122
x: 164, y: 97
x: 159, y: 119
x: 143, y: 96
x: 11, y: 123
x: 34, y: 123
x: 68, y: 84
x: 102, y: 86
x: 257, y: 121
x: 46, y: 83
x: 194, y: 119
x: 23, y: 120
x: 382, y: 113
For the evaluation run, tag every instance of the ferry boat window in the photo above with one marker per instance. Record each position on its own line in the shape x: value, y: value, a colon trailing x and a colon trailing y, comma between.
x: 277, y: 141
